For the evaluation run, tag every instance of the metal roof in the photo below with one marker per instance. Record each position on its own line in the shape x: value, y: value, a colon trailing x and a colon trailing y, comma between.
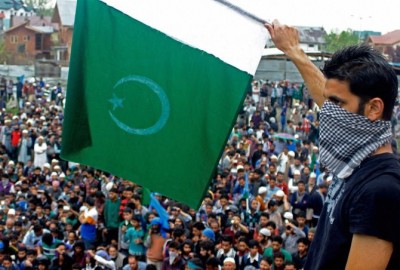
x: 42, y: 29
x: 66, y: 9
x: 390, y: 38
x: 311, y: 35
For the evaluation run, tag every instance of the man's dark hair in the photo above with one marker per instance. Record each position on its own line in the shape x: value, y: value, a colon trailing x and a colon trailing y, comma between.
x: 301, y: 214
x: 253, y: 243
x: 129, y: 189
x: 178, y: 232
x: 224, y: 196
x: 279, y: 255
x: 89, y: 201
x: 267, y: 259
x: 212, y: 215
x: 8, y: 258
x: 213, y: 261
x: 187, y: 242
x: 137, y: 197
x: 242, y: 239
x: 368, y: 75
x: 207, y: 245
x: 90, y: 171
x: 37, y: 228
x: 277, y: 238
x: 227, y: 238
x: 60, y: 244
x: 264, y: 214
x: 47, y: 238
x: 304, y: 240
x: 199, y: 225
x: 272, y: 224
x: 174, y: 245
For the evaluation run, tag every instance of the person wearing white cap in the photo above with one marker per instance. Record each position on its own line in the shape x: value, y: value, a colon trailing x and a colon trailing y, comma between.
x: 11, y: 212
x: 229, y: 264
x: 274, y: 160
x: 262, y: 192
x: 6, y: 131
x: 296, y: 165
x: 263, y: 238
x: 311, y: 185
x: 53, y: 176
x: 11, y: 164
x: 282, y: 201
x: 25, y: 144
x: 283, y: 160
x: 40, y: 150
x: 293, y: 181
x: 54, y: 161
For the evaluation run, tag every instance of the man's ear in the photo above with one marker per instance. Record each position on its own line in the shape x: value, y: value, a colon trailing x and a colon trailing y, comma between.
x: 374, y: 109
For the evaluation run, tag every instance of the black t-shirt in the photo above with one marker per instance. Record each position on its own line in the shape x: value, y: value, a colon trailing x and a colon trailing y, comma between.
x: 367, y: 202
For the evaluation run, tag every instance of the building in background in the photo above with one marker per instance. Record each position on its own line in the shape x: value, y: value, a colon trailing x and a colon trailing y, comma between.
x: 388, y: 44
x: 10, y: 8
x: 63, y: 21
x: 28, y: 39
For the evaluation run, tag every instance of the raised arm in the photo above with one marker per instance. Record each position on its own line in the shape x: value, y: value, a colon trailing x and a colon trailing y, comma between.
x: 286, y: 39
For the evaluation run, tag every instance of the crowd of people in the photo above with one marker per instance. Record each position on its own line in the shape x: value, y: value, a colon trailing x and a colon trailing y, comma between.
x: 261, y: 211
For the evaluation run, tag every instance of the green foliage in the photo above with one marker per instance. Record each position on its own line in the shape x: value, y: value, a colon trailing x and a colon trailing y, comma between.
x: 4, y: 55
x: 335, y: 41
x: 14, y: 111
x: 41, y: 7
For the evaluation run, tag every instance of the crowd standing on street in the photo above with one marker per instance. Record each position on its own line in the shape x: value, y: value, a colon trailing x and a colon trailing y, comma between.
x: 261, y: 210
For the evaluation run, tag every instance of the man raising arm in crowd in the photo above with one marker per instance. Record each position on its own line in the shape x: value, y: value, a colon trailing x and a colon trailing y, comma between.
x: 356, y: 89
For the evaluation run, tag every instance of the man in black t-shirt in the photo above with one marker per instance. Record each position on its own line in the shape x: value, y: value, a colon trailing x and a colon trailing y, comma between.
x: 359, y: 224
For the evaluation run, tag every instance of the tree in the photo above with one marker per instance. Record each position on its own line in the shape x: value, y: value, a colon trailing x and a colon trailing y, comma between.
x: 335, y: 41
x: 4, y: 55
x: 41, y: 7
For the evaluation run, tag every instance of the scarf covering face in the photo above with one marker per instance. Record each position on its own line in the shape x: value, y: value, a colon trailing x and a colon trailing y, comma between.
x: 346, y: 139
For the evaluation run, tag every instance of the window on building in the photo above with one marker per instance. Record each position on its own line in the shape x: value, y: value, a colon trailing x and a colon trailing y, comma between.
x: 38, y: 41
x: 14, y: 39
x: 21, y: 48
x: 26, y: 38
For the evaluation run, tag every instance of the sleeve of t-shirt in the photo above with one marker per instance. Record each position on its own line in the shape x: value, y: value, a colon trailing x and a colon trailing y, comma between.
x: 374, y: 210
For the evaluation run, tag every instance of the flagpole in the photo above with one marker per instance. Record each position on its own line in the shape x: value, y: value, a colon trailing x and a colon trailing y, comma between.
x: 242, y: 11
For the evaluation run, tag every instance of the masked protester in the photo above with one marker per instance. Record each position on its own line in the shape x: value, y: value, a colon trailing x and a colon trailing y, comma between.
x: 174, y: 260
x: 357, y: 90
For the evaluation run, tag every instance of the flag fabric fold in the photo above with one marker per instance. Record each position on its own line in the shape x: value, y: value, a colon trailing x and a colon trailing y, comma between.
x: 162, y: 213
x: 154, y: 88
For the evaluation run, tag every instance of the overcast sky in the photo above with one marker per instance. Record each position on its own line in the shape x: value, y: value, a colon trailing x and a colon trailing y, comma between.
x: 377, y: 15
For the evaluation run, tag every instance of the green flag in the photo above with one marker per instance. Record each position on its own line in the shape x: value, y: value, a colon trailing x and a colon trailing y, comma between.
x: 154, y: 89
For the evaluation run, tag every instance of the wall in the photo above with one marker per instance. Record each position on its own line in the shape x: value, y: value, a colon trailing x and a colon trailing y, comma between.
x: 28, y: 57
x: 279, y: 70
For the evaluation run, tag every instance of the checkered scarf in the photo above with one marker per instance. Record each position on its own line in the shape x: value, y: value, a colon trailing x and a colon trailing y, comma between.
x: 346, y: 139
